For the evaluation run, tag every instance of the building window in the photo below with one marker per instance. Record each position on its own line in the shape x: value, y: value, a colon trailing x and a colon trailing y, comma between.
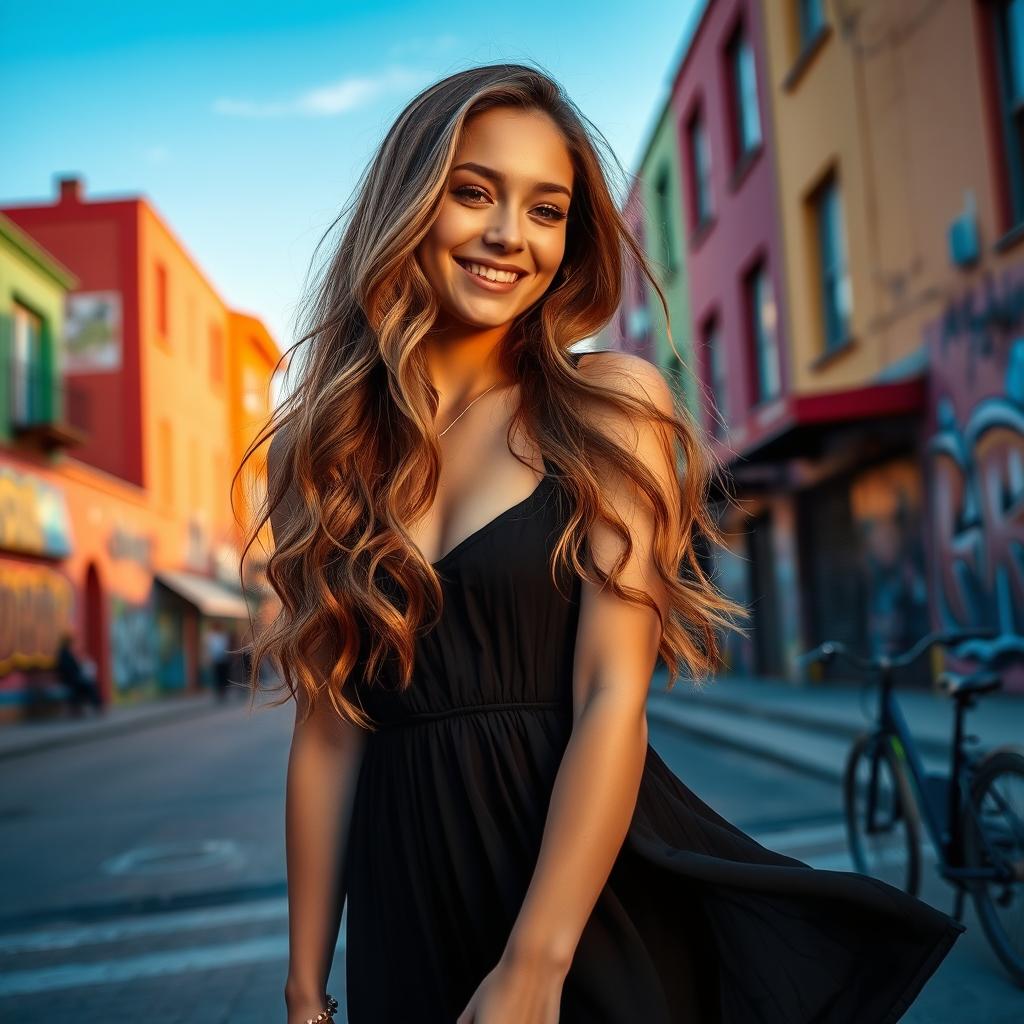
x: 833, y: 273
x: 1009, y: 36
x: 810, y: 20
x: 194, y: 485
x: 162, y: 324
x: 26, y: 366
x: 746, y: 117
x: 763, y: 323
x: 664, y: 215
x: 216, y: 355
x: 700, y: 171
x: 714, y: 360
x: 166, y: 448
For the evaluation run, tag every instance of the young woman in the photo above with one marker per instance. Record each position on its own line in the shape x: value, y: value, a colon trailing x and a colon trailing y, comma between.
x: 482, y: 546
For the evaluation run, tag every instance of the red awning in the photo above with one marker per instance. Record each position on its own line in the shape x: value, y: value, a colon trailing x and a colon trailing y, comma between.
x: 799, y: 424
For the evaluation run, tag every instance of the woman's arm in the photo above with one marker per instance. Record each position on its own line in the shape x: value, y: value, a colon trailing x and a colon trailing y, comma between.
x: 323, y: 767
x: 596, y: 787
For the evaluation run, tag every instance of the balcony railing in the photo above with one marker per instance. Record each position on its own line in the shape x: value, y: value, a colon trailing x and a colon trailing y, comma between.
x: 54, y: 413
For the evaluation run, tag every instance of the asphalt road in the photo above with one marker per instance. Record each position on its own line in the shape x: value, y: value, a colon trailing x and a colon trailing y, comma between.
x: 143, y: 875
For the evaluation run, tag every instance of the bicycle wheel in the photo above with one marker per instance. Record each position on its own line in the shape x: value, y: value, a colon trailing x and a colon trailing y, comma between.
x: 882, y: 821
x: 994, y: 839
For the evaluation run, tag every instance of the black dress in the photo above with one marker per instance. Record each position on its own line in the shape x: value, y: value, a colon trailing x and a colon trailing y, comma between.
x: 697, y: 923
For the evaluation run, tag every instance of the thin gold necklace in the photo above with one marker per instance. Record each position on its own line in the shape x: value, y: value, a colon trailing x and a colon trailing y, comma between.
x: 464, y: 411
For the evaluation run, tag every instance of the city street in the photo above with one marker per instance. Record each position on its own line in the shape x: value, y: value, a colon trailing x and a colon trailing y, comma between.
x: 143, y: 874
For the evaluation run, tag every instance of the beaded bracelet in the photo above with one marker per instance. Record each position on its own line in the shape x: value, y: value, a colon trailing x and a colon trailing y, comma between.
x: 325, y: 1015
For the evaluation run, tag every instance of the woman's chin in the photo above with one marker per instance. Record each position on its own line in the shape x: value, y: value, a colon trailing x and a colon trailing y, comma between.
x: 473, y: 316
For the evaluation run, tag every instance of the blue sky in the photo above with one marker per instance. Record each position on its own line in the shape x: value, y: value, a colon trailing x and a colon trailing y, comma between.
x: 248, y: 125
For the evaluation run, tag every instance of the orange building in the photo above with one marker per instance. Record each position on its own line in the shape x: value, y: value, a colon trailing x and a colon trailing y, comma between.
x: 253, y: 359
x: 162, y: 386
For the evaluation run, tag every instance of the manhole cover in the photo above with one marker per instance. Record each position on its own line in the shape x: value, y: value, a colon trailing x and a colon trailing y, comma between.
x: 167, y: 858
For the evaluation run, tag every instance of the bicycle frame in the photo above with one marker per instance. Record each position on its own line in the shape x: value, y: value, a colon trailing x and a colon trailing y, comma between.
x: 941, y: 805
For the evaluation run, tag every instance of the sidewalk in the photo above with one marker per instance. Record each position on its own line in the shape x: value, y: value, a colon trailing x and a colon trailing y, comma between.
x: 20, y: 738
x: 810, y: 728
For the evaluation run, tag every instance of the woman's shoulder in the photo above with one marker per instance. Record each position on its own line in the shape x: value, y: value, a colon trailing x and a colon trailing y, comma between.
x: 629, y: 373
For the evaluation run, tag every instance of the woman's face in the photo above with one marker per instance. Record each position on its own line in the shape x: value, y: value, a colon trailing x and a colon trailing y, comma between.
x: 506, y: 203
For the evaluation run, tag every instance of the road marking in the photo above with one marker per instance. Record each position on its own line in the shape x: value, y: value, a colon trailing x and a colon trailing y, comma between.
x: 151, y: 965
x: 133, y: 928
x: 269, y: 948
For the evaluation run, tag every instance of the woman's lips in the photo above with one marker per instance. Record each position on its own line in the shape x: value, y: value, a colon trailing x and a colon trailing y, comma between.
x: 491, y: 286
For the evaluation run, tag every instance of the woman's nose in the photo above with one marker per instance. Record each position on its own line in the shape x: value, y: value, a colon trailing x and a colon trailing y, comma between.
x: 505, y: 230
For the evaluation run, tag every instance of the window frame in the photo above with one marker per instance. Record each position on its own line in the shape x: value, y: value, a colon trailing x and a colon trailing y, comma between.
x: 662, y: 183
x: 744, y: 95
x: 835, y: 325
x: 758, y: 339
x: 805, y: 31
x: 714, y: 373
x: 701, y: 216
x: 1011, y: 109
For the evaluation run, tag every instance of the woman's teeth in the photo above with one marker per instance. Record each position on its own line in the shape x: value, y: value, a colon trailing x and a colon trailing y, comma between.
x: 504, y: 276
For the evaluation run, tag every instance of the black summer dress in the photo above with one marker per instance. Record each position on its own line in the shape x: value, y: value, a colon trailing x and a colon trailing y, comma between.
x: 697, y: 923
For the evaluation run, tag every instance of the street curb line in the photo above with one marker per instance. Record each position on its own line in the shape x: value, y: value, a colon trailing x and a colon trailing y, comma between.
x: 108, y: 729
x: 678, y: 719
x: 812, y: 723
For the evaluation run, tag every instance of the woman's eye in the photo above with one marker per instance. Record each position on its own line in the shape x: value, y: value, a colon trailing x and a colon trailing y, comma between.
x: 556, y: 213
x: 470, y: 189
x: 472, y: 192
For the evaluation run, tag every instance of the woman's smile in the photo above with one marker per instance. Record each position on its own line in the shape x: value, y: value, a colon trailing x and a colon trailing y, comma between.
x: 487, y: 277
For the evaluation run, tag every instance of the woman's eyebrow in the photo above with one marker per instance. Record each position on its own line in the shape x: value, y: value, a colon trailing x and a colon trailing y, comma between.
x: 499, y: 177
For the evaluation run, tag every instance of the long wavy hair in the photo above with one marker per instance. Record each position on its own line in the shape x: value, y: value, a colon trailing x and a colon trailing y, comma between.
x: 355, y: 437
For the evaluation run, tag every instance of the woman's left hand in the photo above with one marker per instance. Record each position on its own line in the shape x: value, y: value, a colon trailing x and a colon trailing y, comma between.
x: 516, y: 994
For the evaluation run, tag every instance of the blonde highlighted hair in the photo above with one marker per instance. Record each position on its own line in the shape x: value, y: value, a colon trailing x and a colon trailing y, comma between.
x: 353, y: 451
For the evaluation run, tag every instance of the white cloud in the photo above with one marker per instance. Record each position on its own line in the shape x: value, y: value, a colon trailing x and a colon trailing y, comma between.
x: 329, y: 100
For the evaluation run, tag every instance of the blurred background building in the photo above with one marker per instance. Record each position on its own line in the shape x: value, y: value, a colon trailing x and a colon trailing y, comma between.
x: 832, y: 197
x: 132, y: 391
x: 833, y: 194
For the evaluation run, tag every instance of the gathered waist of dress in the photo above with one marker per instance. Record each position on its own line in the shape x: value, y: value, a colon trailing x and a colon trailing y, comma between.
x: 418, y: 718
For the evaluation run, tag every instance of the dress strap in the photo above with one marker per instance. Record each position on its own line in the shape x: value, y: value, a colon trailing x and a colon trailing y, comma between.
x: 576, y: 356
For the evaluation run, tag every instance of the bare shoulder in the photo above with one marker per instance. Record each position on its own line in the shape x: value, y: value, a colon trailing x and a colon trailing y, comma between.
x: 649, y: 440
x: 631, y: 375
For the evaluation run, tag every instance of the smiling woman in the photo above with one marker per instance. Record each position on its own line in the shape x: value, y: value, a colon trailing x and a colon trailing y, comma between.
x: 488, y: 212
x: 483, y: 543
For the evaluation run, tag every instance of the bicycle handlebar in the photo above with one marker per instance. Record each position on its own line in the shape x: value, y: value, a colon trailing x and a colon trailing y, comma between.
x: 831, y: 649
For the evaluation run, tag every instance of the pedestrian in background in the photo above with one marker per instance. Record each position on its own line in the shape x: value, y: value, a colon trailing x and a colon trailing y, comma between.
x: 218, y: 657
x: 80, y: 687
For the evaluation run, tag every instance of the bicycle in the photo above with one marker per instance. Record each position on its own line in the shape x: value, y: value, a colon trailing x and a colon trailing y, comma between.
x: 976, y: 831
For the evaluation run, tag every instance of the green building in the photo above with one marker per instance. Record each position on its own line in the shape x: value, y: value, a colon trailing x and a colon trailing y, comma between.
x: 33, y: 286
x: 660, y: 192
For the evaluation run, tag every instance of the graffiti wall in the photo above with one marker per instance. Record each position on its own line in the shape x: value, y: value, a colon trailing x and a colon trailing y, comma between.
x: 36, y: 605
x: 885, y: 504
x: 975, y: 461
x: 132, y: 655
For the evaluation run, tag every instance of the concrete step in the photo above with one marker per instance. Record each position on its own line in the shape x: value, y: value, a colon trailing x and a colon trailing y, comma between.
x: 799, y: 744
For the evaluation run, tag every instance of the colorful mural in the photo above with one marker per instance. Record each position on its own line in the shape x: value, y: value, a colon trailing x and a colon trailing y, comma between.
x: 885, y: 504
x: 133, y: 657
x: 976, y: 464
x: 36, y: 604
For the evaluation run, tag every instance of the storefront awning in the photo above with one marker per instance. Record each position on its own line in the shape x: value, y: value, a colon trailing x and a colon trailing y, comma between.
x: 209, y: 596
x: 802, y: 425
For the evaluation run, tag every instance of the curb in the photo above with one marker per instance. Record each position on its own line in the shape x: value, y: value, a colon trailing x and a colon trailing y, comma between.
x: 188, y: 708
x: 826, y: 725
x: 678, y: 718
